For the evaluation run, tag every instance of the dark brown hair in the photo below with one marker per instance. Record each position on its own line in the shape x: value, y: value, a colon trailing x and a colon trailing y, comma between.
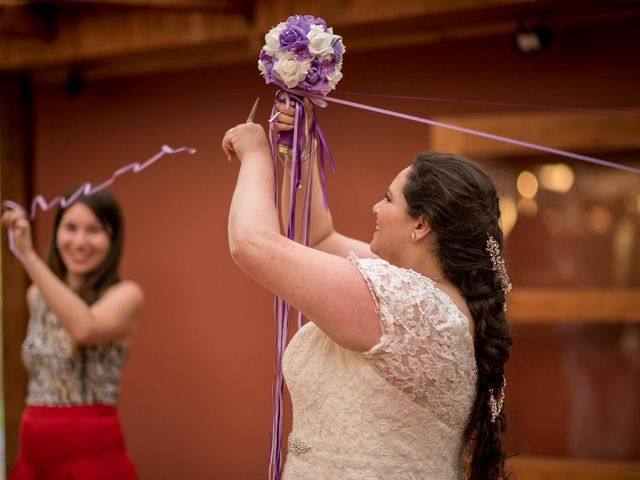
x: 460, y: 203
x: 108, y: 213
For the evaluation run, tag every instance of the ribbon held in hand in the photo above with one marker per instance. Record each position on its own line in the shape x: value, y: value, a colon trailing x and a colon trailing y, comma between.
x: 85, y: 189
x: 301, y: 53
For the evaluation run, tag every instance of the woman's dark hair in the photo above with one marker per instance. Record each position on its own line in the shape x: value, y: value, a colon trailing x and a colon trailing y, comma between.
x: 105, y: 208
x: 460, y: 203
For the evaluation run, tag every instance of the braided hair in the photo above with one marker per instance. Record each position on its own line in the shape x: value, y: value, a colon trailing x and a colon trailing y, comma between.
x: 460, y: 203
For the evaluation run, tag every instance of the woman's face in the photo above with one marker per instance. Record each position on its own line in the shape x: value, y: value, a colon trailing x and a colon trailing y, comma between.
x: 393, y: 223
x: 83, y: 242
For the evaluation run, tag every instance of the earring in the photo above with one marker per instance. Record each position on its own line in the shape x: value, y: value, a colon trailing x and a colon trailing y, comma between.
x: 413, y: 236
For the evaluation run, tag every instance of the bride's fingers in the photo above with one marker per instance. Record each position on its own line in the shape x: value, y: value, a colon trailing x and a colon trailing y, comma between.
x: 227, y: 145
x: 283, y: 127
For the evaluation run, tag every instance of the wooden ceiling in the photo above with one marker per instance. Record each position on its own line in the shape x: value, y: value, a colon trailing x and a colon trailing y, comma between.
x: 105, y: 38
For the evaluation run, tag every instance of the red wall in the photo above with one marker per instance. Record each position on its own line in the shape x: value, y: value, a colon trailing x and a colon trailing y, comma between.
x: 196, y: 396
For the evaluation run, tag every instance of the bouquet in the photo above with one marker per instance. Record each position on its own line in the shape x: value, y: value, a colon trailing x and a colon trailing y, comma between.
x: 304, y: 58
x: 303, y: 54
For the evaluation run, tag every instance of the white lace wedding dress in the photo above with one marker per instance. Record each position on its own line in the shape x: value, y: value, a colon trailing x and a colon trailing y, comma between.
x: 397, y: 411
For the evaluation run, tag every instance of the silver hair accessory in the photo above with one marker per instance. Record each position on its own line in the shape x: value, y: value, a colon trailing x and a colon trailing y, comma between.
x: 498, y: 265
x: 496, y: 406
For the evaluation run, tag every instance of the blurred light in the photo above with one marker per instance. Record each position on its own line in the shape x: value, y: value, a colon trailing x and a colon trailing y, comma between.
x: 556, y: 177
x: 632, y: 202
x: 553, y: 219
x: 508, y: 214
x: 527, y: 184
x: 527, y: 207
x: 598, y: 220
x: 532, y: 40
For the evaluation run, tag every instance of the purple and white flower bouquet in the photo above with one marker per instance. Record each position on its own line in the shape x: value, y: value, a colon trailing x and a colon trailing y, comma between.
x: 304, y: 58
x: 304, y: 54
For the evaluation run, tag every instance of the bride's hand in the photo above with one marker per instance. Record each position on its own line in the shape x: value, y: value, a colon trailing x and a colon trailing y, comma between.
x: 245, y: 140
x: 286, y: 119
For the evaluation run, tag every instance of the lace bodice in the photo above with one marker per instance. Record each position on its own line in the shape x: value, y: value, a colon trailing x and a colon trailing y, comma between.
x: 397, y: 411
x: 62, y: 373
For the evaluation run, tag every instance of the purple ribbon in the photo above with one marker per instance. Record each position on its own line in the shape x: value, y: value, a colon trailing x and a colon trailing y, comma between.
x: 527, y: 106
x: 499, y: 138
x: 85, y: 189
x: 293, y: 141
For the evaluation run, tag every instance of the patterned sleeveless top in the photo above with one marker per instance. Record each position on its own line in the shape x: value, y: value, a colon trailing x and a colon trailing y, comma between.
x: 64, y: 373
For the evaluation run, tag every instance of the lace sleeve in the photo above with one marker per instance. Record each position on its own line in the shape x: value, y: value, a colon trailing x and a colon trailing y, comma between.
x: 425, y: 349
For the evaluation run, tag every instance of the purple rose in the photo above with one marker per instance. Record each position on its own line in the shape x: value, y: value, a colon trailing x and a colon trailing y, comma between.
x: 319, y: 21
x: 265, y: 57
x: 316, y: 80
x: 304, y: 23
x: 338, y: 49
x: 294, y: 39
x: 265, y: 65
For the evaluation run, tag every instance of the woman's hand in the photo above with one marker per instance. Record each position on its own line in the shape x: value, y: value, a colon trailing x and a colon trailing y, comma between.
x: 245, y: 140
x: 16, y: 222
x: 286, y: 119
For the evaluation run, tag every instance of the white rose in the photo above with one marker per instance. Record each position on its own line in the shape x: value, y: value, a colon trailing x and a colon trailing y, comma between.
x: 334, y: 77
x: 320, y: 41
x: 272, y: 39
x: 261, y: 67
x: 290, y: 70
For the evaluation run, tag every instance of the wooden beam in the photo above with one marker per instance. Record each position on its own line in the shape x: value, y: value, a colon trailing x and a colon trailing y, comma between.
x: 549, y: 468
x: 591, y: 132
x: 358, y: 17
x: 219, y: 6
x: 15, y: 166
x: 562, y: 305
x: 95, y: 37
x: 37, y: 21
x: 93, y: 32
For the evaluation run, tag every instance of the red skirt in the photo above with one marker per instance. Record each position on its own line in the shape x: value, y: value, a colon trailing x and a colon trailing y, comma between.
x: 76, y: 442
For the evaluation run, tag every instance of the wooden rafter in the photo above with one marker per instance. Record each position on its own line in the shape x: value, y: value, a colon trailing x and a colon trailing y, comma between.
x: 220, y: 6
x: 28, y: 21
x: 107, y: 34
x: 549, y: 306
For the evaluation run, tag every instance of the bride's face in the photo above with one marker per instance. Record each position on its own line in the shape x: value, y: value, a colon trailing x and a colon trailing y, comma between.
x: 393, y: 224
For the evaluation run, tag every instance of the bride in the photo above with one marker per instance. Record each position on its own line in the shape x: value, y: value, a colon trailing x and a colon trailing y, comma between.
x: 399, y: 373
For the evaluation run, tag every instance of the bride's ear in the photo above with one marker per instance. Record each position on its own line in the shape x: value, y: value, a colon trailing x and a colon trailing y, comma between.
x: 422, y: 228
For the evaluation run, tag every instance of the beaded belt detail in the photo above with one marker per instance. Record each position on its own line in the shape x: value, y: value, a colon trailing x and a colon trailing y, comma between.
x: 297, y: 446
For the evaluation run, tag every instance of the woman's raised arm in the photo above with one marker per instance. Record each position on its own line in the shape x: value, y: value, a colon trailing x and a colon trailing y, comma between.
x: 327, y: 289
x: 112, y: 318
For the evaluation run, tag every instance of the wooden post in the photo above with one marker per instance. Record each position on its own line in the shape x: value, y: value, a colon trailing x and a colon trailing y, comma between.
x: 15, y: 180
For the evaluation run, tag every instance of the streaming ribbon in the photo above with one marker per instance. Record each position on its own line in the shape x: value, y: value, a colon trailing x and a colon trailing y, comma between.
x: 85, y: 189
x: 499, y: 138
x: 527, y: 106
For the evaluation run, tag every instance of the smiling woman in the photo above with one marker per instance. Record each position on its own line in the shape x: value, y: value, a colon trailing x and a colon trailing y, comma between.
x: 81, y: 326
x: 83, y: 242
